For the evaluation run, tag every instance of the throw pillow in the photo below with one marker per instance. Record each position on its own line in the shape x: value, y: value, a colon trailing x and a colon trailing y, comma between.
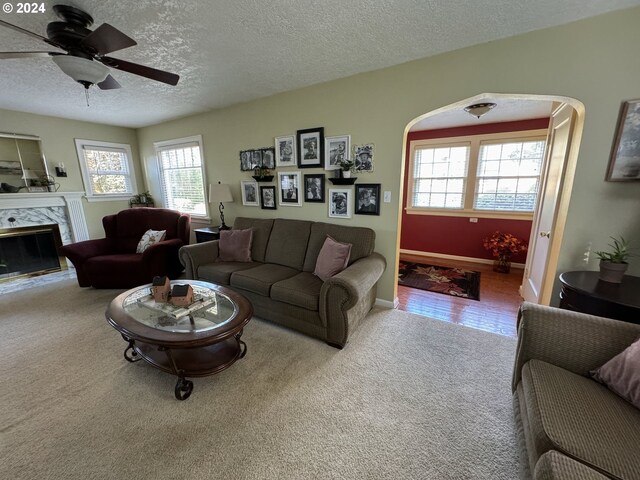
x: 235, y: 245
x: 332, y: 259
x: 622, y: 374
x: 149, y: 238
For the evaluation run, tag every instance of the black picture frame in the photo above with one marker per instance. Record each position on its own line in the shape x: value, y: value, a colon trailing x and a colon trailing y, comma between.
x: 363, y: 195
x: 314, y: 184
x: 264, y: 203
x: 269, y: 157
x: 245, y: 160
x: 310, y: 143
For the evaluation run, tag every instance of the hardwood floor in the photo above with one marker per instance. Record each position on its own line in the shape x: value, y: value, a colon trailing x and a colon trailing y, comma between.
x: 495, y: 312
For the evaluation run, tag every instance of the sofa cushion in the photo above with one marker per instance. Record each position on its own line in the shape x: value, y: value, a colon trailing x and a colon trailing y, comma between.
x: 332, y: 259
x: 259, y: 279
x: 235, y: 245
x: 220, y: 272
x: 128, y: 226
x: 149, y: 238
x: 288, y: 243
x: 556, y: 466
x: 362, y: 242
x: 622, y: 374
x: 261, y: 232
x: 302, y: 290
x: 582, y: 419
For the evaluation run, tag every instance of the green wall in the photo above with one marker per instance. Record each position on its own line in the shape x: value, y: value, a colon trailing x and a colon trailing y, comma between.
x: 593, y: 61
x: 58, y: 145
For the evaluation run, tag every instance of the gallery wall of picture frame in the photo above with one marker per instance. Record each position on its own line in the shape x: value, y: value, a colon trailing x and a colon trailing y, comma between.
x: 309, y: 148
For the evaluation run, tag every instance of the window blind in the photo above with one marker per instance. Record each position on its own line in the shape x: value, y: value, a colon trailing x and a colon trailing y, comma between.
x: 181, y: 173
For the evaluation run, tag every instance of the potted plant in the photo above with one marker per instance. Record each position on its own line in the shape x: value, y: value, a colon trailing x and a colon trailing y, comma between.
x: 346, y: 166
x: 262, y: 174
x: 144, y: 198
x: 613, y: 263
x: 503, y: 246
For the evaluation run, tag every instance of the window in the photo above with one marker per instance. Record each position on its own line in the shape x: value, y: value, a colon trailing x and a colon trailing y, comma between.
x: 489, y: 175
x: 182, y: 175
x: 439, y: 175
x: 508, y: 175
x: 107, y: 170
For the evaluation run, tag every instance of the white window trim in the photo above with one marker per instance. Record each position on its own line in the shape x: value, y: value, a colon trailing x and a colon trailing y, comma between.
x: 105, y: 197
x: 471, y: 180
x: 176, y: 142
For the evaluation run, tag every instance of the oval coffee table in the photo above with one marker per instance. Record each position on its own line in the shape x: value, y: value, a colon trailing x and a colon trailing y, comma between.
x: 195, y: 341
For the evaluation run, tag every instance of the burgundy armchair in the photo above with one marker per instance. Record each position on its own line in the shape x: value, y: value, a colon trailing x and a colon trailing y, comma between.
x: 112, y: 262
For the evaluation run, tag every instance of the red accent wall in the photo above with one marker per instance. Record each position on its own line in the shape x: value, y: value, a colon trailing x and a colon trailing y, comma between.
x: 456, y: 235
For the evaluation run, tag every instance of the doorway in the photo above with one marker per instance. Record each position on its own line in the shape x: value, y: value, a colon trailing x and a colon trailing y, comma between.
x: 513, y: 113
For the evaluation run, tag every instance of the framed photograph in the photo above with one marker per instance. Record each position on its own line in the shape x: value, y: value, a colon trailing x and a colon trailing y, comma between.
x: 310, y: 147
x: 268, y: 197
x: 249, y: 190
x: 268, y: 158
x: 363, y: 157
x: 314, y: 188
x: 285, y: 151
x: 367, y: 199
x: 340, y: 203
x: 245, y: 160
x: 256, y: 159
x: 289, y: 189
x: 624, y: 164
x: 336, y: 149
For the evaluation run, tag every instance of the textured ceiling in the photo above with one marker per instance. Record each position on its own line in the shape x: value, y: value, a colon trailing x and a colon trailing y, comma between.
x: 231, y: 51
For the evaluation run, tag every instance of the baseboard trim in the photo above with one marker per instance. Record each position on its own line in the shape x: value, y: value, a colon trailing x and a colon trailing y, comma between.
x: 387, y: 304
x: 456, y: 257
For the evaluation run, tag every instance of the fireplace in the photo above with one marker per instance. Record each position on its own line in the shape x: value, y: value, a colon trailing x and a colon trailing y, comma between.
x: 30, y: 251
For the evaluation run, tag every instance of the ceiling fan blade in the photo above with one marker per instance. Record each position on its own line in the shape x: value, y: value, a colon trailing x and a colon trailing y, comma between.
x: 108, y: 83
x: 137, y: 69
x: 107, y: 39
x: 27, y: 32
x: 5, y: 55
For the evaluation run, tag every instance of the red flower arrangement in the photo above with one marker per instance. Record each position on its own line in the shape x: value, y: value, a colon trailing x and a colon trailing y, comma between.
x: 504, y: 245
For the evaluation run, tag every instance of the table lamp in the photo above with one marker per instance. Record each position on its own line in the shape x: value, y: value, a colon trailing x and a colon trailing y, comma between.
x: 220, y: 193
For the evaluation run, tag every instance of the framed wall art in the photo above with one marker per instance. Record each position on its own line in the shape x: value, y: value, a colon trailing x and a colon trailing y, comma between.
x: 336, y: 149
x: 249, y: 191
x: 340, y: 202
x: 367, y: 199
x: 314, y: 187
x: 289, y: 183
x: 624, y: 164
x: 363, y: 157
x: 268, y: 197
x: 268, y: 158
x: 286, y: 151
x: 310, y: 147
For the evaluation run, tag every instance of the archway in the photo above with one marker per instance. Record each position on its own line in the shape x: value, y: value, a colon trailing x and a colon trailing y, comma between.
x: 564, y: 186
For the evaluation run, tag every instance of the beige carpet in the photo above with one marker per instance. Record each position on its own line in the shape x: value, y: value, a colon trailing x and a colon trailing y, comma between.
x: 408, y: 398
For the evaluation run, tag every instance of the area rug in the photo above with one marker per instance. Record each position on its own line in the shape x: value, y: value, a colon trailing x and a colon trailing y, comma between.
x: 407, y: 398
x: 433, y: 278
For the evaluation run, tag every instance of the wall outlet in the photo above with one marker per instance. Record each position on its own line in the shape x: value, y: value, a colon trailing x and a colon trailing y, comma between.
x: 473, y: 220
x: 387, y: 197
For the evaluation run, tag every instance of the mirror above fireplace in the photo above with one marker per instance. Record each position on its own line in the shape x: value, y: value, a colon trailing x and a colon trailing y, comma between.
x: 23, y: 167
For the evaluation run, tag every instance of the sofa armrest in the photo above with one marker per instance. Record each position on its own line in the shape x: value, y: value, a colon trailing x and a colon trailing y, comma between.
x: 159, y: 250
x: 192, y: 256
x: 346, y: 290
x: 571, y: 340
x: 79, y: 252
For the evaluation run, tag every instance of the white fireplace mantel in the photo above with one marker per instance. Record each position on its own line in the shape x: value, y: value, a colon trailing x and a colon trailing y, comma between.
x: 72, y: 201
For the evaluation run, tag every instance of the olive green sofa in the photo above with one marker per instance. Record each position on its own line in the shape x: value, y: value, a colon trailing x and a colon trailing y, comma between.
x: 280, y: 283
x: 572, y: 427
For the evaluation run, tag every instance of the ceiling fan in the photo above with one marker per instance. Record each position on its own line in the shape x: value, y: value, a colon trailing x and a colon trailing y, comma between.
x: 86, y: 61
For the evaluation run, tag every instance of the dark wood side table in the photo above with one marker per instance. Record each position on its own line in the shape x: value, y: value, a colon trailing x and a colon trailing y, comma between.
x: 584, y: 292
x: 206, y: 234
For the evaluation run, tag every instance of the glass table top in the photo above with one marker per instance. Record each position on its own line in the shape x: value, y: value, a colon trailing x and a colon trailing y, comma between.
x: 210, y: 309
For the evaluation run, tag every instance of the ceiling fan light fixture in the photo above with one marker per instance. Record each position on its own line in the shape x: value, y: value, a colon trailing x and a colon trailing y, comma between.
x: 83, y: 71
x: 479, y: 109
